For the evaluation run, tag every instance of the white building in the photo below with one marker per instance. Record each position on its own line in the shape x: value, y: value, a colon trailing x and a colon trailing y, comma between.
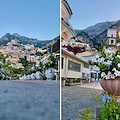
x: 111, y: 37
x: 73, y: 66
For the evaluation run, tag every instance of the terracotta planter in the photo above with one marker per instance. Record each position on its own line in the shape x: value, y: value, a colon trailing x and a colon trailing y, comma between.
x: 112, y: 87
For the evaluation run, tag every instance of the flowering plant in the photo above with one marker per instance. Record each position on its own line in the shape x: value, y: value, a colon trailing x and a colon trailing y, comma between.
x: 51, y: 63
x: 107, y: 63
x: 110, y: 108
x: 75, y: 50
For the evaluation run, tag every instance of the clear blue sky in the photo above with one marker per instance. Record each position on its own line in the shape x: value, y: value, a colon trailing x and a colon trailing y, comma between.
x: 31, y: 18
x: 90, y: 12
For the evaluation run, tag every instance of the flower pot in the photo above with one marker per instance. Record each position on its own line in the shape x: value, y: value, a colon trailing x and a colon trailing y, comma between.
x: 38, y: 75
x: 112, y: 86
x: 49, y: 73
x: 28, y: 77
x: 24, y: 77
x: 33, y: 76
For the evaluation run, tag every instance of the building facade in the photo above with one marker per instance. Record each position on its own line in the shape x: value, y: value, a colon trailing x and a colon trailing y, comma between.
x: 73, y: 66
x: 66, y: 29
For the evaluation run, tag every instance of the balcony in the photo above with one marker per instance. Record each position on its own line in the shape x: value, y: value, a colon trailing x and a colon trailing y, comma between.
x: 65, y: 20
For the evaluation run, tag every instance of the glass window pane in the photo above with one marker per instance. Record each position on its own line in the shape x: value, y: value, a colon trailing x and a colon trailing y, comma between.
x: 74, y: 66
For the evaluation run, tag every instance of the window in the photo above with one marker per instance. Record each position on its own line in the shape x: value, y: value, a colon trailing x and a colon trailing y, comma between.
x: 74, y: 66
x: 86, y: 65
x: 62, y: 62
x: 112, y: 42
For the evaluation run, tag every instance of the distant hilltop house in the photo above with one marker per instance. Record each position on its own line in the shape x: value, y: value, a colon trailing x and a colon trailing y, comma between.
x: 113, y: 39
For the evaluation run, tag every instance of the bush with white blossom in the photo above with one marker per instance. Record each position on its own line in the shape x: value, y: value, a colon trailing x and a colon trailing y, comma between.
x: 51, y: 63
x: 107, y: 63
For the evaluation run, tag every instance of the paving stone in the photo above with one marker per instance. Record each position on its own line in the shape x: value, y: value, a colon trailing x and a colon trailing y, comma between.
x: 32, y: 100
x: 77, y: 98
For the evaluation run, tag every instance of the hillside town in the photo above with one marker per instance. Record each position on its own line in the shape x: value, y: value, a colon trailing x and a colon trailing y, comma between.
x: 17, y: 51
x: 19, y: 56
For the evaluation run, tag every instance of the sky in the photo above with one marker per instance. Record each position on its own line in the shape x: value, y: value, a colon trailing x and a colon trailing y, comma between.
x: 31, y: 18
x: 89, y: 12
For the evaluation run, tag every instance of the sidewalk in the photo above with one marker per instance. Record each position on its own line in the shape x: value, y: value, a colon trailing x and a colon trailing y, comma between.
x: 93, y: 85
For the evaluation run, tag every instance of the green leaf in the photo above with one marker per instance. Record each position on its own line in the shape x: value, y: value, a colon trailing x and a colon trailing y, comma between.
x: 117, y: 116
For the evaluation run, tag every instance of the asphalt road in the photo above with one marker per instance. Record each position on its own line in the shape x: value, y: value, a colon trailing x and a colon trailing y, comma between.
x: 77, y: 98
x: 29, y: 100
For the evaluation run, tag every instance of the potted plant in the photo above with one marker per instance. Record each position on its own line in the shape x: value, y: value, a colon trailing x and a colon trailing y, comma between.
x: 39, y: 70
x: 109, y: 66
x: 50, y: 66
x: 33, y: 74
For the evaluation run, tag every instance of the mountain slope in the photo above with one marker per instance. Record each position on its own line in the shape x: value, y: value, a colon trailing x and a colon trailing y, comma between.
x: 24, y: 40
x: 97, y: 32
x: 103, y: 35
x: 84, y: 37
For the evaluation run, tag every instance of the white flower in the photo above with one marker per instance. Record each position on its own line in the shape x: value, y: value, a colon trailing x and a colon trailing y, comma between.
x: 107, y: 77
x: 103, y: 74
x: 108, y: 51
x: 112, y: 76
x: 105, y: 63
x: 99, y: 60
x: 118, y: 56
x: 114, y: 69
x: 95, y: 67
x: 98, y: 69
x: 102, y: 59
x: 97, y: 56
x: 94, y: 59
x: 117, y: 73
x: 109, y: 62
x: 118, y: 64
x: 109, y: 73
